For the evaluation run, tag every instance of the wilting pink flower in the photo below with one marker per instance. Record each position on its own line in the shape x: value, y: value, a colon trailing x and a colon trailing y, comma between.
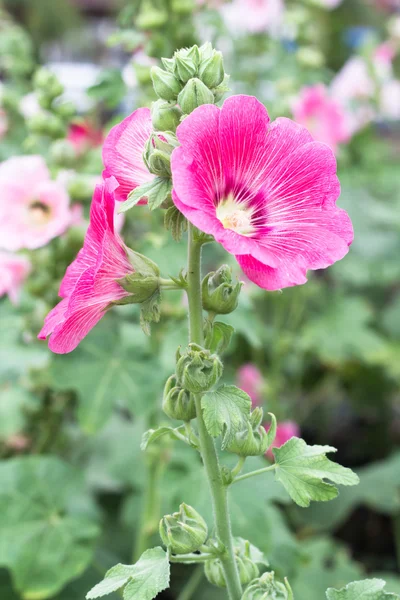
x: 250, y: 380
x: 33, y: 208
x: 284, y: 431
x: 322, y: 115
x: 254, y: 16
x: 123, y: 152
x: 84, y: 136
x: 265, y: 191
x: 14, y: 269
x: 89, y: 285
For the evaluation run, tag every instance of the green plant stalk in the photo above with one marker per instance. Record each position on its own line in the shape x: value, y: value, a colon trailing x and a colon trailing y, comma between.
x: 207, y: 446
x: 192, y: 584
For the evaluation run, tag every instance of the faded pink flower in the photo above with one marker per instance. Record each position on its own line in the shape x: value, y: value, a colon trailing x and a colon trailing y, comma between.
x: 84, y: 136
x: 89, y: 285
x: 324, y: 116
x: 123, y: 152
x: 284, y: 431
x: 14, y: 269
x: 265, y: 191
x: 250, y: 380
x: 33, y: 208
x: 254, y: 16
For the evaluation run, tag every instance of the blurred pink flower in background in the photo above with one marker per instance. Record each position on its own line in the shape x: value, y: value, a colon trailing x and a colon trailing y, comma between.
x: 254, y: 16
x: 84, y: 136
x: 390, y: 100
x: 14, y: 269
x: 33, y: 208
x: 250, y: 380
x: 323, y: 116
x: 284, y: 431
x: 3, y: 123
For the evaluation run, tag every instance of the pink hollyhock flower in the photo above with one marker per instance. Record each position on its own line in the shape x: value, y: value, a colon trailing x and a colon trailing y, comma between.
x: 90, y: 285
x: 265, y: 191
x: 14, y: 270
x: 123, y: 152
x: 254, y: 16
x: 84, y: 136
x: 250, y: 380
x: 322, y: 115
x: 33, y: 208
x: 284, y: 431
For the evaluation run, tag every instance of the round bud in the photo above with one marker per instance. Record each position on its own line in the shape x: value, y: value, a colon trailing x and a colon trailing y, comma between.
x: 219, y: 294
x: 267, y: 588
x: 185, y: 65
x: 212, y: 71
x: 150, y: 16
x: 198, y: 370
x: 247, y: 569
x: 184, y: 531
x: 63, y: 153
x: 165, y: 116
x: 194, y: 94
x: 166, y: 85
x: 178, y: 403
x: 47, y: 82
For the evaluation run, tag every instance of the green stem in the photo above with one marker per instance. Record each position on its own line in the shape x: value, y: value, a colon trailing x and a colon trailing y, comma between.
x: 191, y: 558
x: 151, y: 508
x: 207, y: 446
x: 253, y: 473
x: 192, y: 584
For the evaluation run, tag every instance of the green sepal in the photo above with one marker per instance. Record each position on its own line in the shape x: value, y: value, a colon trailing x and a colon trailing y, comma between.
x: 267, y: 588
x: 183, y: 532
x: 175, y: 222
x: 155, y: 192
x: 219, y: 294
x: 194, y: 94
x: 178, y: 403
x: 198, y: 370
x: 212, y: 71
x: 150, y: 311
x: 166, y: 85
x: 253, y: 439
x: 218, y: 336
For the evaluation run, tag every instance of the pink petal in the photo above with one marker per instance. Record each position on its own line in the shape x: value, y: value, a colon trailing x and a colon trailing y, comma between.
x: 123, y: 150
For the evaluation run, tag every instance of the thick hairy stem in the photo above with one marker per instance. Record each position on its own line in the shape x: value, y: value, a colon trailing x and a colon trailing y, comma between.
x: 207, y: 446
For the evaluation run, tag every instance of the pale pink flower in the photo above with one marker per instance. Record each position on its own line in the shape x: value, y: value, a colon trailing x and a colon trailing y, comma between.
x: 84, y: 136
x: 250, y: 380
x: 123, y: 152
x: 266, y: 191
x: 284, y: 431
x: 254, y: 16
x: 33, y: 208
x: 90, y: 283
x: 323, y: 116
x: 389, y: 102
x: 14, y: 269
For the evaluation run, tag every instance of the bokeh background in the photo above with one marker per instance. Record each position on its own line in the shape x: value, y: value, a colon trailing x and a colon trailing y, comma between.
x: 77, y: 495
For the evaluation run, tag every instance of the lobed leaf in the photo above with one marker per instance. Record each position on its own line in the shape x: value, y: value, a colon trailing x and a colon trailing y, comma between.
x: 368, y: 589
x: 226, y: 411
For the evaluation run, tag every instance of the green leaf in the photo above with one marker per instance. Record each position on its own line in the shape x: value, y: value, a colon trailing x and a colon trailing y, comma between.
x: 143, y: 580
x: 15, y: 403
x: 218, y: 337
x: 369, y: 589
x: 47, y: 525
x: 226, y: 411
x: 152, y: 435
x: 109, y: 88
x: 155, y: 192
x: 302, y: 470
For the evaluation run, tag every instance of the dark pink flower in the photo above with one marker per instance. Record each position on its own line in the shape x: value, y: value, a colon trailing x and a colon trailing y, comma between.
x: 123, y: 152
x: 90, y: 285
x: 284, y: 431
x: 266, y: 191
x: 14, y: 269
x: 250, y: 380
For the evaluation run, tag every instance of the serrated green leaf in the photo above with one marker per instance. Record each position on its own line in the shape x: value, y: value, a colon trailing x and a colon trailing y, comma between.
x: 226, y: 411
x: 47, y: 525
x: 155, y: 192
x: 218, y: 337
x: 368, y: 589
x: 143, y: 580
x: 302, y: 470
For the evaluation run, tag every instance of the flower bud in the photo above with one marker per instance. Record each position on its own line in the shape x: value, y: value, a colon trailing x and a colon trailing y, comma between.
x: 219, y: 295
x: 212, y: 71
x: 178, y: 403
x: 166, y: 85
x: 157, y: 153
x: 62, y: 152
x: 184, y: 531
x: 194, y: 94
x: 186, y: 64
x: 45, y: 123
x: 47, y: 82
x: 247, y: 569
x: 206, y: 51
x: 251, y: 441
x: 150, y: 16
x: 266, y: 588
x: 165, y: 116
x: 221, y: 89
x: 198, y: 370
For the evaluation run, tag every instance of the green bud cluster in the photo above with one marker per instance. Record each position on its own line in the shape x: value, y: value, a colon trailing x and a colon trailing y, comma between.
x: 253, y: 440
x: 184, y: 531
x: 219, y: 294
x: 267, y: 588
x: 157, y: 153
x: 247, y: 569
x: 197, y: 370
x: 178, y: 403
x: 194, y: 76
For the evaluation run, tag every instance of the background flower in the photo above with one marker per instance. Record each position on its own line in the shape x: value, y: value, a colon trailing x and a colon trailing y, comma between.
x: 14, y: 269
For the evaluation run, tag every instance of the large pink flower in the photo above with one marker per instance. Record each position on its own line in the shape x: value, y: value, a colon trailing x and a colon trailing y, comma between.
x: 33, y: 208
x: 123, y: 152
x: 14, y: 269
x: 90, y: 285
x: 265, y: 191
x: 324, y: 116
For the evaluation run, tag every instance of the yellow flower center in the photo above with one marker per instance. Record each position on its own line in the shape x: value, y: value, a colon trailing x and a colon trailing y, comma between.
x: 234, y: 216
x: 39, y: 213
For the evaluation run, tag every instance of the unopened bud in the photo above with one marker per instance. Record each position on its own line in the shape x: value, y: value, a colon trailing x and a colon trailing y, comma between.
x: 247, y: 569
x: 45, y: 123
x: 150, y: 16
x: 184, y: 531
x: 206, y: 51
x: 63, y: 153
x: 194, y: 94
x: 178, y: 403
x: 47, y: 82
x: 166, y: 85
x: 157, y: 153
x: 212, y: 71
x: 219, y: 294
x: 267, y: 588
x: 186, y: 64
x: 198, y: 370
x: 222, y: 89
x: 165, y: 116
